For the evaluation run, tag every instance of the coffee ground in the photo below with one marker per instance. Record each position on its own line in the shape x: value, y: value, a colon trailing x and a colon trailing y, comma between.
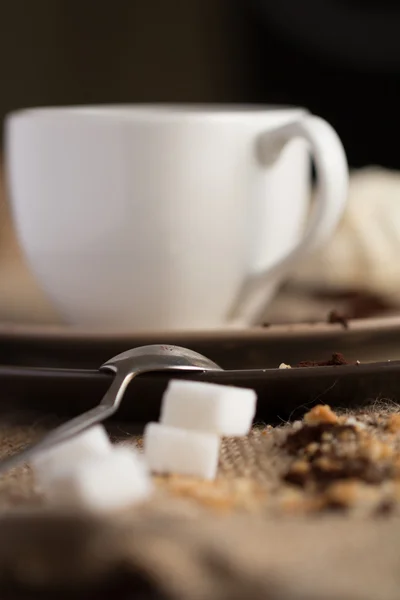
x: 336, y: 360
x: 359, y: 304
x: 334, y: 316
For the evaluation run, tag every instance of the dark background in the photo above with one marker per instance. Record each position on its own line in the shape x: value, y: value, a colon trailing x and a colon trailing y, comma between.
x: 345, y: 68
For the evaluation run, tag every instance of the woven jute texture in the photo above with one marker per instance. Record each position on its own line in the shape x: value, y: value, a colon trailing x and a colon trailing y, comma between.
x: 306, y: 510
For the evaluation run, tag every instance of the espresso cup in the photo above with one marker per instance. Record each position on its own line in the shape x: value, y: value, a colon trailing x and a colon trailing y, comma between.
x: 154, y: 217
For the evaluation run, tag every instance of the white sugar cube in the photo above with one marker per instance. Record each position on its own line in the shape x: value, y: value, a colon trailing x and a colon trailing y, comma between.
x: 50, y: 463
x: 221, y: 409
x: 103, y: 483
x: 178, y: 451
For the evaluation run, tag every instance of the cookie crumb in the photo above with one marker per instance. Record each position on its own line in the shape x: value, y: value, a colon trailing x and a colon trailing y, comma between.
x: 320, y: 414
x: 393, y: 424
x: 351, y: 492
x: 375, y: 450
x: 296, y: 425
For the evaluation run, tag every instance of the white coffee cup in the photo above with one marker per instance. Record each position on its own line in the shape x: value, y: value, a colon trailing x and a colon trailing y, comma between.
x: 153, y: 217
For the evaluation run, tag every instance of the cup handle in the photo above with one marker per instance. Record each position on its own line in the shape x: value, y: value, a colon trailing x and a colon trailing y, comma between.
x: 331, y: 195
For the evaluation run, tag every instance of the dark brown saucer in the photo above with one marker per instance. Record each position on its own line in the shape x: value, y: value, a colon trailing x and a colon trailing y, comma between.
x: 53, y: 370
x: 366, y: 340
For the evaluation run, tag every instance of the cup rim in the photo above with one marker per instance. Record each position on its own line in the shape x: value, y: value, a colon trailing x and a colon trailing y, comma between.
x: 161, y: 111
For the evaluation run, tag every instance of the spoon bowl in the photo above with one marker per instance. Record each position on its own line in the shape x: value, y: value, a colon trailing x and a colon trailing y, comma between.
x: 157, y: 357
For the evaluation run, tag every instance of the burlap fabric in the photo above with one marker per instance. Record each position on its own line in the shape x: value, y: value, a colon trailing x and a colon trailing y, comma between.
x: 305, y: 510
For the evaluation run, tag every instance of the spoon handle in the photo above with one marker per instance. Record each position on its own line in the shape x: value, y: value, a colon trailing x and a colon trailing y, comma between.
x: 57, y: 435
x: 107, y: 407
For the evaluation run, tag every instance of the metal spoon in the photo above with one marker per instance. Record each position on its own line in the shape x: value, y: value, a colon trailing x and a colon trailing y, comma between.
x: 126, y: 366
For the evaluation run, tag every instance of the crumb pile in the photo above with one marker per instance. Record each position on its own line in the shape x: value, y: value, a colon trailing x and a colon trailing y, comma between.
x: 344, y: 462
x: 337, y: 359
